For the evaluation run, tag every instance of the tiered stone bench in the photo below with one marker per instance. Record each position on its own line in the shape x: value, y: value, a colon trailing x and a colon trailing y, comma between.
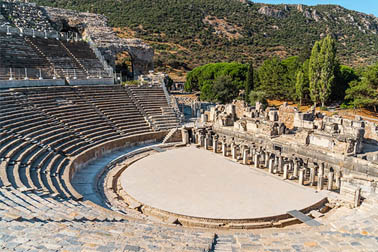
x: 17, y: 54
x: 43, y: 129
x: 115, y: 104
x: 154, y: 102
x: 59, y: 57
x: 85, y: 55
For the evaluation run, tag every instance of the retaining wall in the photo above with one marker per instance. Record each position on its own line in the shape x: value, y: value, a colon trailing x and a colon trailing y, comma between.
x: 97, y: 151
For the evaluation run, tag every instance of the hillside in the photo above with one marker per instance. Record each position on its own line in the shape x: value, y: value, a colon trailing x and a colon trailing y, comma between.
x: 186, y: 34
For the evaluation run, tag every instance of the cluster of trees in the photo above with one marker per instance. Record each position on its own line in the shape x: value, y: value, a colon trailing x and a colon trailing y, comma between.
x: 218, y: 82
x: 317, y: 78
x: 363, y: 91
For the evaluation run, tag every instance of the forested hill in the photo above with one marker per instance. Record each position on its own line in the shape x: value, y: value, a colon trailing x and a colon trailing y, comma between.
x: 189, y: 33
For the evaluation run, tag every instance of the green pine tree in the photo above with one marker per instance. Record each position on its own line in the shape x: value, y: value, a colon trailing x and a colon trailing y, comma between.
x: 364, y: 93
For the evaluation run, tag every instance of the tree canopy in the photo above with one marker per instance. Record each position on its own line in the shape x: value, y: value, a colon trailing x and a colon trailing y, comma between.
x: 364, y: 93
x: 205, y: 77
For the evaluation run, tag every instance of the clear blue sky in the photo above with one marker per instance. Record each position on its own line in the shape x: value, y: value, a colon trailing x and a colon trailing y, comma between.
x: 366, y: 6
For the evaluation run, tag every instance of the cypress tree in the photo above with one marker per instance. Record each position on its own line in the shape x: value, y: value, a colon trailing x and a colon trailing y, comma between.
x: 321, y: 70
x: 314, y: 70
x: 327, y: 75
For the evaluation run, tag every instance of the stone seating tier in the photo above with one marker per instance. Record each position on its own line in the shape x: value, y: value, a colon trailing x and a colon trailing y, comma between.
x: 46, y: 57
x: 43, y: 128
x: 49, y: 216
x: 152, y: 100
x: 17, y: 54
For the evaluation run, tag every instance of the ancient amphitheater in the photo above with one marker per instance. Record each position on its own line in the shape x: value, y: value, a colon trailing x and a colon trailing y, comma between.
x: 90, y: 165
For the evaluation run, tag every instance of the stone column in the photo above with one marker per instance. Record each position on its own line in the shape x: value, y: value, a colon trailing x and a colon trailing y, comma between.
x: 262, y: 156
x: 252, y: 151
x: 202, y: 140
x: 330, y: 181
x: 301, y: 176
x: 233, y: 151
x: 312, y: 176
x: 206, y: 143
x: 280, y: 164
x: 357, y: 197
x: 185, y: 136
x: 210, y: 140
x: 275, y: 166
x: 257, y: 160
x: 224, y: 149
x: 296, y: 166
x: 215, y: 145
x: 245, y: 156
x: 338, y: 179
x: 321, y: 170
x: 271, y: 165
x: 266, y: 163
x: 286, y: 170
x: 320, y: 183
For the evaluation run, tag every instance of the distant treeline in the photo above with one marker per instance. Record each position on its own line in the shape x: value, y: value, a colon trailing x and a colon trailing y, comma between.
x: 317, y: 79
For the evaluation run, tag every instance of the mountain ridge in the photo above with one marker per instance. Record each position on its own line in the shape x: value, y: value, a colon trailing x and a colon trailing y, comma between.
x: 186, y: 34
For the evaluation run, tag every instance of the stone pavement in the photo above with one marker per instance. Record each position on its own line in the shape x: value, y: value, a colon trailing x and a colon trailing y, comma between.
x: 342, y: 230
x: 345, y: 230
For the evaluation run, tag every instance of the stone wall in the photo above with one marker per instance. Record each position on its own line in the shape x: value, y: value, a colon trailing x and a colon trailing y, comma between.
x: 287, y: 115
x: 371, y: 132
x: 97, y: 151
x: 239, y: 108
x: 30, y: 83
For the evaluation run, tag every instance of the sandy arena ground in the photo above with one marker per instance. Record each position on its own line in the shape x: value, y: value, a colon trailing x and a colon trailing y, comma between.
x: 199, y: 183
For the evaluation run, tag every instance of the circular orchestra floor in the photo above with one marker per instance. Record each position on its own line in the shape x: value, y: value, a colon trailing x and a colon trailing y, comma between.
x: 199, y: 183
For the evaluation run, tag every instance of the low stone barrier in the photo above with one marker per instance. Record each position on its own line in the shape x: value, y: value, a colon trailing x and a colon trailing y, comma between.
x: 99, y: 150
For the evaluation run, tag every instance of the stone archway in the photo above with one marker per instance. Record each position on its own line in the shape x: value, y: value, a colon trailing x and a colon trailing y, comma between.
x: 124, y: 65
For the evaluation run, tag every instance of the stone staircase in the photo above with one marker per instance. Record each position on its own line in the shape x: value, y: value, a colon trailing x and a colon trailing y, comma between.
x: 169, y: 135
x: 74, y: 58
x: 225, y: 243
x: 153, y: 102
x: 36, y: 48
x: 140, y: 108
